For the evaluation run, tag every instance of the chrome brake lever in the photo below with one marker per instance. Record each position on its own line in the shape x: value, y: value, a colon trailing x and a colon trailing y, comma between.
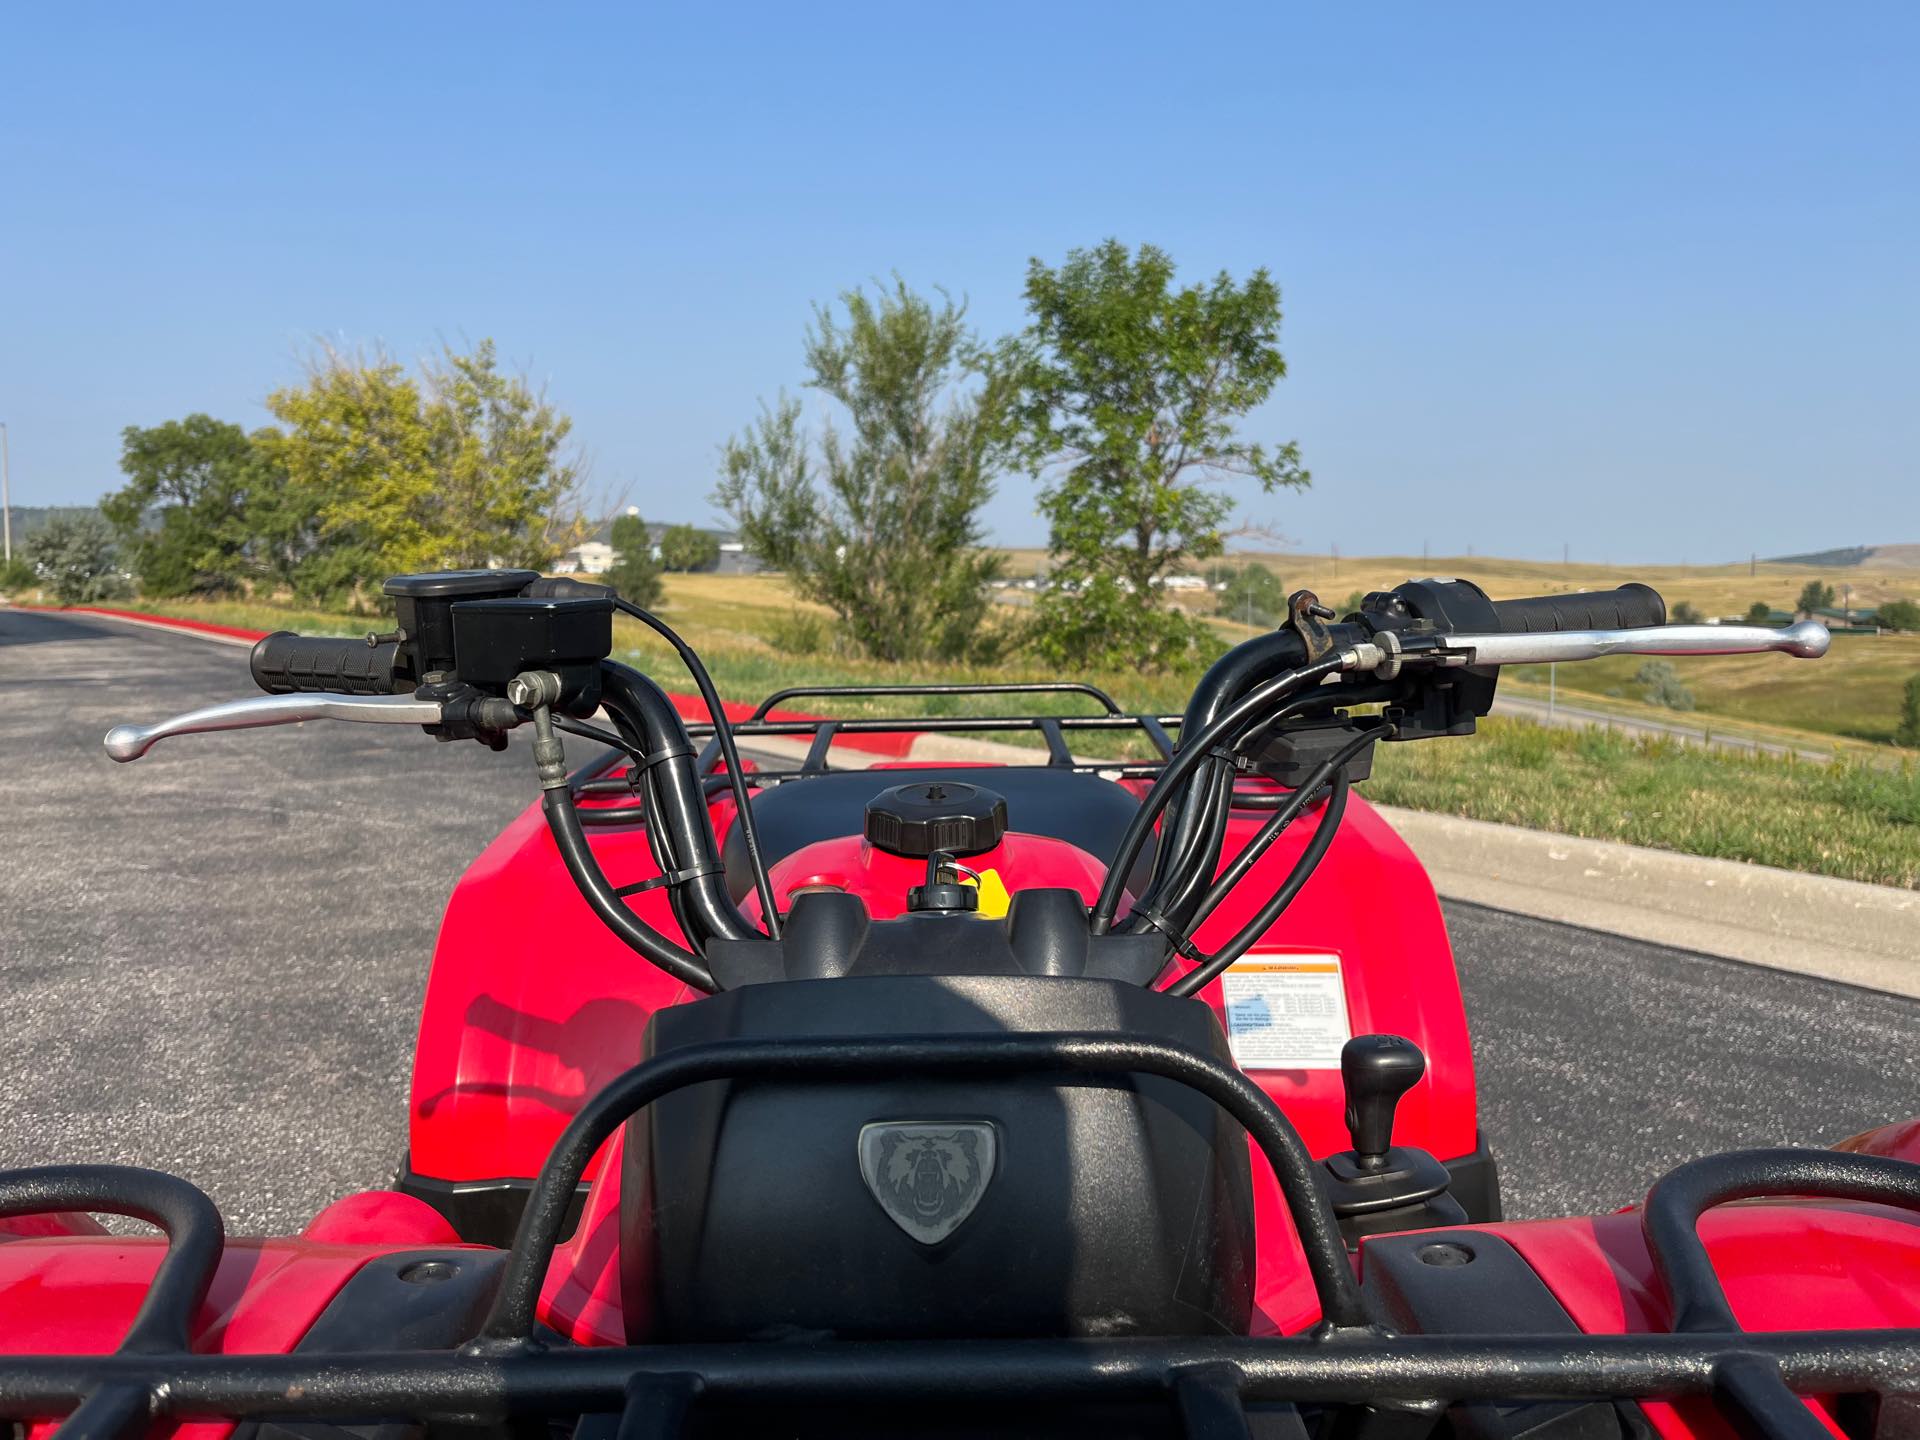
x: 1808, y: 640
x: 130, y: 742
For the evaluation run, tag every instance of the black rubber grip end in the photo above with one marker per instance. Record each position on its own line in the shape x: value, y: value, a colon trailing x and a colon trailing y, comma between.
x: 284, y: 663
x: 1631, y: 607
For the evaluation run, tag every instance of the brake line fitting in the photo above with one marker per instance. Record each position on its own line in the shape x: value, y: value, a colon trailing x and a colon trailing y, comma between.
x: 536, y: 690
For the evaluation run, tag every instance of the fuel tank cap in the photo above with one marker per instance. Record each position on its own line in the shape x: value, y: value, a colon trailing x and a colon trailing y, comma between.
x: 918, y: 819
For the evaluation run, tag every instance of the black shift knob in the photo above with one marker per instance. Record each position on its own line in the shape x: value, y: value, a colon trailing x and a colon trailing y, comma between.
x: 1376, y: 1071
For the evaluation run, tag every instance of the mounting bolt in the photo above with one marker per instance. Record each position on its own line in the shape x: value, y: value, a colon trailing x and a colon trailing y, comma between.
x: 531, y: 689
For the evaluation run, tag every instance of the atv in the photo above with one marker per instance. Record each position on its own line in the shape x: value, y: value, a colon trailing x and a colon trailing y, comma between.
x: 956, y: 1100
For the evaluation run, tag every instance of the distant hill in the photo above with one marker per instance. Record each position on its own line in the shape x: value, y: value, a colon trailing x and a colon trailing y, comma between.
x: 1877, y: 557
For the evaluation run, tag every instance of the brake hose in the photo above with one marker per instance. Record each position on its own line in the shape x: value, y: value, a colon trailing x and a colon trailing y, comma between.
x: 1208, y: 970
x: 1285, y: 815
x: 729, y: 753
x: 1192, y: 751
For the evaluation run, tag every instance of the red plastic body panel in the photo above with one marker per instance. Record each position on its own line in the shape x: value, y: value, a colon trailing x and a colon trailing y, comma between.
x: 1784, y: 1266
x: 532, y: 1006
x: 76, y: 1295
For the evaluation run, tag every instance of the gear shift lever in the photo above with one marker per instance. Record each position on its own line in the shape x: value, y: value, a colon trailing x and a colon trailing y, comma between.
x: 1376, y: 1071
x: 1378, y: 1187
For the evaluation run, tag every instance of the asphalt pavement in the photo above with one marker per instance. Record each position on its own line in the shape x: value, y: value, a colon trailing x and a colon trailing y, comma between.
x: 211, y: 959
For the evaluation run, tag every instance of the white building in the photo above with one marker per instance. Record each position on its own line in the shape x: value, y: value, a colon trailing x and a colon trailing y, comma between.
x: 590, y: 557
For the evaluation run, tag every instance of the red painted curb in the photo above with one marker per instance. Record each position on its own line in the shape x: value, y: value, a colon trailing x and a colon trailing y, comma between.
x: 691, y: 707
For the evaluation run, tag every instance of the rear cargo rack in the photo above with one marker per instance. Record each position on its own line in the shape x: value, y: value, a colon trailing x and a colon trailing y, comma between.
x: 1198, y: 1387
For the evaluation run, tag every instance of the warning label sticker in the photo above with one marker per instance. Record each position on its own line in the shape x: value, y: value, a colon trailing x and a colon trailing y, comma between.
x: 1286, y: 1012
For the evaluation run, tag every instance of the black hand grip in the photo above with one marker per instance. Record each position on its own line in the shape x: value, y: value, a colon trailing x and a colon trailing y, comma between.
x: 284, y: 662
x: 1631, y: 607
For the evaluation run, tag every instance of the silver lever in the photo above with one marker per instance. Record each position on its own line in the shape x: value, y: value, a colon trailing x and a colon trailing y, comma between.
x: 1808, y: 640
x: 130, y: 742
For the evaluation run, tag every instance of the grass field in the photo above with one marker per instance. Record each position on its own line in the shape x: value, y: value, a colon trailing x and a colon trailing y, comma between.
x: 1848, y: 819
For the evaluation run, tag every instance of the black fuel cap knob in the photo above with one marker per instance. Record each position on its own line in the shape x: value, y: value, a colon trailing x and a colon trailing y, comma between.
x: 930, y: 815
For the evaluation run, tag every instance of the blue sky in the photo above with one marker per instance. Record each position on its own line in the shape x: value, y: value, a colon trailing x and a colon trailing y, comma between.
x: 1642, y: 280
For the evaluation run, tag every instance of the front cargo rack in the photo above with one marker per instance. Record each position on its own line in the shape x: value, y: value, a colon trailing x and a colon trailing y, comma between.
x: 1354, y: 1376
x: 1052, y: 728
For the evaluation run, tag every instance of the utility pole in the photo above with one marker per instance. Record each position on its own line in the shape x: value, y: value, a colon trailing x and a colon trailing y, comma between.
x: 6, y: 494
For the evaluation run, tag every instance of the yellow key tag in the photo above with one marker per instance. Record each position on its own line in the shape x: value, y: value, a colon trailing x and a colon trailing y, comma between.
x: 994, y: 896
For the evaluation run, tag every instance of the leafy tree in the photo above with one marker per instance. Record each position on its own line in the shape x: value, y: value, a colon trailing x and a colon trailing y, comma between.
x: 1814, y: 595
x: 1663, y: 686
x: 211, y: 483
x: 1127, y: 391
x: 684, y: 548
x: 1685, y: 612
x: 1253, y: 596
x: 879, y: 520
x: 74, y: 556
x: 16, y: 575
x: 634, y: 573
x: 1759, y: 613
x: 1908, y: 732
x: 1899, y: 615
x: 462, y: 466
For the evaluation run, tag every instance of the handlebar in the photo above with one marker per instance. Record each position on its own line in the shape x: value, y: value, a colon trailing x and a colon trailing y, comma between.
x: 284, y: 663
x: 1630, y: 607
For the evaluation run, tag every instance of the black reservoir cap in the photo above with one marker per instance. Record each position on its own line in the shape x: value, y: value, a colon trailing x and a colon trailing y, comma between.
x: 916, y: 820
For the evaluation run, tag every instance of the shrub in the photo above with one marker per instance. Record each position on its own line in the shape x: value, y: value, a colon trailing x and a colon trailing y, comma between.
x: 1759, y: 613
x: 1899, y: 615
x: 800, y: 632
x: 74, y: 555
x: 1662, y: 686
x: 1685, y: 612
x: 1908, y: 732
x: 16, y: 575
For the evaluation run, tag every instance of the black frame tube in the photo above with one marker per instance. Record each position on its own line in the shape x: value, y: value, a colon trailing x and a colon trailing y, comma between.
x: 191, y: 1222
x: 1680, y: 1197
x: 1407, y: 1369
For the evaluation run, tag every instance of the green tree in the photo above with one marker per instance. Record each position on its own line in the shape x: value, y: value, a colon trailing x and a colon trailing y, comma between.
x: 684, y: 548
x: 460, y: 467
x: 189, y: 515
x: 1685, y: 612
x: 1908, y: 731
x: 1253, y: 596
x: 1759, y: 613
x: 1899, y: 615
x: 16, y: 575
x: 74, y: 556
x: 879, y: 520
x: 634, y: 573
x: 1128, y: 389
x: 1814, y: 595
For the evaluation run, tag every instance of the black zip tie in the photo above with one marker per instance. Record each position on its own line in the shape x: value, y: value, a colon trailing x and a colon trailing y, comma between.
x: 672, y: 752
x: 672, y: 877
x: 1182, y: 943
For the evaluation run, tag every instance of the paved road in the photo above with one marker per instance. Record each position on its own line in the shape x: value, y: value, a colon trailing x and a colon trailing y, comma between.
x: 210, y: 961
